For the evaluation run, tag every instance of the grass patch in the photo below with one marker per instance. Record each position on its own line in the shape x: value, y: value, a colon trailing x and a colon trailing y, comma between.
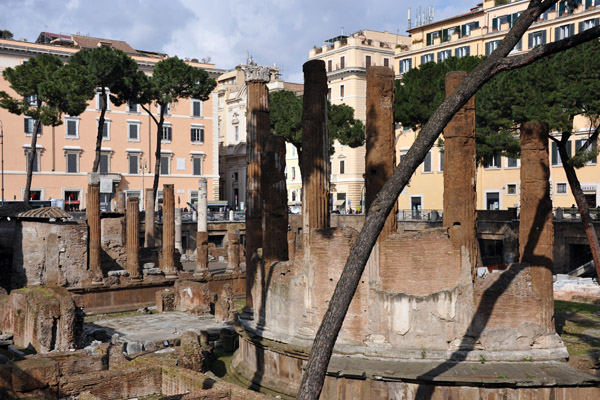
x: 221, y: 365
x: 569, y: 306
x: 100, y: 317
x: 239, y: 304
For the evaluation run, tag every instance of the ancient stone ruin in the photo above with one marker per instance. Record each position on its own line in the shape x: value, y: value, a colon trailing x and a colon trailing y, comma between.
x: 422, y: 323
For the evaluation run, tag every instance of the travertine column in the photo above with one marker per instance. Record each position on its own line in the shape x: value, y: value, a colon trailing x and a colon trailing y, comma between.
x: 536, y: 229
x: 257, y: 130
x: 202, y: 234
x: 168, y: 239
x: 178, y: 244
x: 149, y: 219
x: 380, y: 159
x: 233, y: 253
x: 93, y: 219
x: 121, y: 202
x: 133, y: 237
x: 315, y: 149
x: 274, y: 194
x: 460, y: 215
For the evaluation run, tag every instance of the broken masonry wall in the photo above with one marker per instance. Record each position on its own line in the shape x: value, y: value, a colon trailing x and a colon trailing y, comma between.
x: 49, y: 253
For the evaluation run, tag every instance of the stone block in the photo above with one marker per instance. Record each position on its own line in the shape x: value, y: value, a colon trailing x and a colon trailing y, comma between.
x: 191, y: 354
x: 224, y: 305
x: 34, y: 373
x: 190, y: 295
x: 132, y: 348
x: 165, y: 300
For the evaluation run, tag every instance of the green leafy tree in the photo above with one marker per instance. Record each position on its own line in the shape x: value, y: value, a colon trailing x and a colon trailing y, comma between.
x: 111, y: 71
x: 47, y: 89
x: 286, y: 121
x: 171, y: 80
x: 572, y: 89
x: 6, y: 34
x: 422, y: 90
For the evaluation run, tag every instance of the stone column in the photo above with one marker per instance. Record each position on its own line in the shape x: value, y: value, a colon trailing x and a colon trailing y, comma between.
x: 149, y: 219
x: 93, y: 219
x: 274, y: 194
x: 121, y: 202
x: 178, y: 244
x: 380, y: 159
x: 133, y: 237
x: 460, y: 216
x: 168, y: 239
x: 233, y: 253
x: 202, y: 234
x: 291, y: 239
x: 315, y: 149
x: 536, y: 229
x: 257, y: 130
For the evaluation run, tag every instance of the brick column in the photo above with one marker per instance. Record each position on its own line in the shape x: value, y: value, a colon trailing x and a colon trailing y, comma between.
x: 202, y: 233
x: 257, y: 130
x: 168, y: 239
x: 133, y: 237
x: 315, y: 149
x: 93, y: 219
x: 460, y: 216
x: 291, y: 240
x: 233, y: 253
x: 536, y: 229
x: 380, y: 159
x: 149, y: 219
x: 274, y: 194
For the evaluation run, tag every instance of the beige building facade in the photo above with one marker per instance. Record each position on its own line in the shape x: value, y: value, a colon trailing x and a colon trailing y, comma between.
x: 65, y: 153
x: 346, y: 60
x: 478, y: 33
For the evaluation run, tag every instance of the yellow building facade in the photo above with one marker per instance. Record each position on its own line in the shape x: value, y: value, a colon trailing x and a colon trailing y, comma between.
x: 65, y: 153
x: 477, y: 33
x: 346, y: 59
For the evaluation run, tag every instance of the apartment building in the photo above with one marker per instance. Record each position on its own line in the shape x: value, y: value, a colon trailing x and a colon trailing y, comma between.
x: 346, y: 59
x: 232, y: 104
x: 65, y: 154
x: 474, y: 33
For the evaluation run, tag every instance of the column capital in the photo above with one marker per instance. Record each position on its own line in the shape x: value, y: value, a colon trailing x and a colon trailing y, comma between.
x: 93, y: 178
x: 257, y: 73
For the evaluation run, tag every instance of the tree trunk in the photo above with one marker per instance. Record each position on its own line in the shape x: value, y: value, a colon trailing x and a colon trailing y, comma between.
x: 32, y: 157
x: 157, y: 153
x: 99, y: 135
x: 314, y: 375
x: 582, y: 205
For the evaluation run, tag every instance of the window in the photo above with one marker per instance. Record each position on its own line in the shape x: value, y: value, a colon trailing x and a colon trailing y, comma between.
x: 133, y: 107
x: 329, y: 65
x: 36, y: 161
x: 465, y: 30
x: 197, y: 133
x: 405, y: 65
x: 367, y: 61
x: 105, y: 129
x: 72, y: 162
x: 537, y: 39
x: 342, y: 62
x: 293, y: 173
x: 100, y: 100
x: 463, y: 51
x: 441, y: 161
x: 72, y: 199
x: 448, y: 32
x: 197, y: 164
x: 563, y: 8
x: 167, y: 133
x: 341, y: 90
x: 427, y: 162
x: 579, y: 144
x: 293, y: 195
x: 432, y: 36
x: 493, y: 161
x: 563, y: 32
x: 328, y: 93
x: 590, y: 23
x: 133, y: 129
x: 491, y: 46
x: 237, y: 128
x: 32, y: 100
x: 512, y: 162
x: 134, y: 163
x: 196, y: 108
x: 561, y: 188
x: 34, y: 194
x: 591, y: 4
x: 556, y: 159
x: 167, y: 109
x: 72, y: 125
x: 104, y: 163
x: 342, y: 167
x: 386, y: 62
x: 518, y: 46
x: 425, y: 58
x: 30, y: 126
x: 164, y: 165
x: 511, y: 189
x: 193, y: 197
x: 443, y: 55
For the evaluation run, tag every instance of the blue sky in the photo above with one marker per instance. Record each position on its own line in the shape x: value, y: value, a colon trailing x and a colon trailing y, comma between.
x: 272, y: 31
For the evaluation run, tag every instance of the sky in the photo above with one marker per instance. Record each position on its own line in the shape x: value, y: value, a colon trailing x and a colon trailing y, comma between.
x: 271, y: 31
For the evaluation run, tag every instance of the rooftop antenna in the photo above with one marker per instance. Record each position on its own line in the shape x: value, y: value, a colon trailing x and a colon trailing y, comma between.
x: 408, y: 21
x: 342, y: 31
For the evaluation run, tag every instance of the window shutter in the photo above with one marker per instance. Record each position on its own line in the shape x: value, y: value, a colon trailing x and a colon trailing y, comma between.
x: 72, y: 163
x: 197, y: 166
x: 580, y: 26
x: 164, y: 165
x: 556, y: 34
x: 571, y: 29
x: 568, y: 145
x: 530, y: 41
x: 543, y: 37
x: 27, y: 125
x: 495, y: 24
x: 104, y: 164
x: 487, y: 48
x: 133, y: 131
x: 133, y: 164
x: 554, y: 153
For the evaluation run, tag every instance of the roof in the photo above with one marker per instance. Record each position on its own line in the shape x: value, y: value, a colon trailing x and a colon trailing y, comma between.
x: 88, y: 42
x: 471, y: 13
x: 44, y: 213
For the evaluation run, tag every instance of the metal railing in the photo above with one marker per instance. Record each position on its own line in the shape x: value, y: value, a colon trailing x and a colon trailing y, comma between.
x: 420, y: 215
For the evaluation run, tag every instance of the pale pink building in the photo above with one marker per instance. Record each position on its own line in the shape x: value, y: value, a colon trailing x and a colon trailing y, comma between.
x: 65, y: 154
